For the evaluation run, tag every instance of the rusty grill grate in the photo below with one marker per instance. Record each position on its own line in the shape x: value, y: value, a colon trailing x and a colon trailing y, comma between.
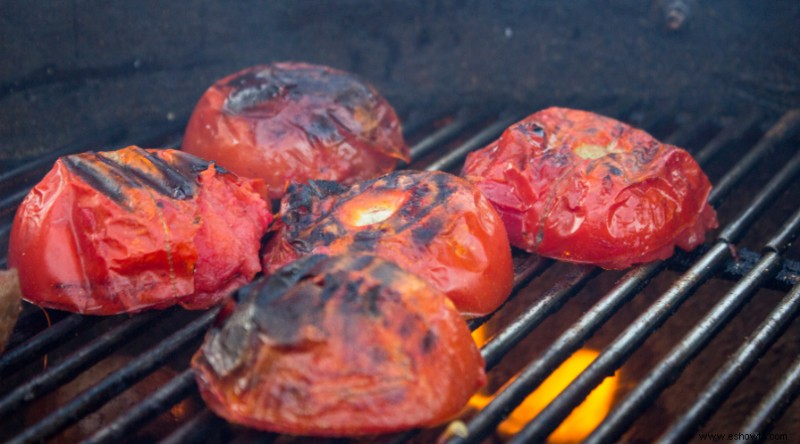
x: 620, y: 313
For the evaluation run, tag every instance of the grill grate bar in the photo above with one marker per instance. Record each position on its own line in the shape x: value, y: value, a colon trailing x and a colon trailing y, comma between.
x: 75, y: 363
x: 452, y: 158
x: 534, y: 373
x: 117, y: 382
x: 630, y: 339
x: 531, y: 267
x: 787, y: 276
x: 782, y: 130
x: 197, y: 429
x: 671, y: 366
x: 549, y: 303
x: 622, y: 347
x: 733, y: 232
x: 728, y: 134
x: 735, y: 369
x: 157, y: 403
x: 39, y: 344
x: 776, y: 401
x: 446, y: 134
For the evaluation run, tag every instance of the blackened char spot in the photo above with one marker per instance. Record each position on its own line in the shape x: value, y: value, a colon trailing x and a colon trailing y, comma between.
x: 190, y: 165
x: 301, y: 200
x: 372, y: 300
x: 420, y: 204
x: 614, y: 170
x: 325, y: 188
x: 534, y: 133
x: 322, y: 131
x: 109, y: 183
x: 428, y: 341
x: 267, y: 289
x: 324, y: 234
x: 366, y: 240
x: 558, y: 159
x: 444, y: 188
x: 351, y: 299
x: 284, y: 318
x: 362, y: 262
x: 251, y: 91
x: 426, y: 232
x: 386, y: 272
x: 645, y: 153
x: 356, y: 95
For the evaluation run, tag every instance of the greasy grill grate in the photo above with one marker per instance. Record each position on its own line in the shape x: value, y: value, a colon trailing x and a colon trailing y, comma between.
x: 732, y: 149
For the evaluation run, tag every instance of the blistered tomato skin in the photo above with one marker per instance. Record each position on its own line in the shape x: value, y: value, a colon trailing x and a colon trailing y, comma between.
x: 295, y: 122
x: 579, y: 187
x: 433, y: 224
x: 339, y: 346
x: 122, y: 231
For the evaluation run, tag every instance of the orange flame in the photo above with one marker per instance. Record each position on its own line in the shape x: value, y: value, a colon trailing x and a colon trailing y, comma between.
x: 577, y: 426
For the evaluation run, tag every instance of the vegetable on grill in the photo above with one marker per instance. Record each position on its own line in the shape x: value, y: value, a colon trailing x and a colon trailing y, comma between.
x: 434, y: 224
x: 123, y: 231
x: 579, y: 187
x: 294, y: 122
x: 339, y: 346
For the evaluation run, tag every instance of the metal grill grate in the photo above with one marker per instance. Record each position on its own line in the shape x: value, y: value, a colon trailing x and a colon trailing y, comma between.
x: 734, y: 149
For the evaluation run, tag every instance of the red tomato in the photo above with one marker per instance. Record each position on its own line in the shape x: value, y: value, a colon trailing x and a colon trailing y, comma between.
x: 579, y: 187
x: 339, y: 346
x: 295, y: 122
x: 115, y: 232
x: 434, y: 224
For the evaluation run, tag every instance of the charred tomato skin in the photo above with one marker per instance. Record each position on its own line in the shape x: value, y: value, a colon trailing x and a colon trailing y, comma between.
x: 122, y: 231
x: 295, y: 122
x: 434, y: 224
x: 339, y: 346
x: 580, y: 187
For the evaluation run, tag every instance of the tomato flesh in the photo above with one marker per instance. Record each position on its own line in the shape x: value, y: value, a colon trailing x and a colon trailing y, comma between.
x: 431, y: 223
x: 122, y: 231
x: 580, y: 187
x: 339, y: 346
x: 295, y: 122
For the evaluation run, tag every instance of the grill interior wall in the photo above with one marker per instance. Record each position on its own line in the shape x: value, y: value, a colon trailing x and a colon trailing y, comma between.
x: 73, y: 69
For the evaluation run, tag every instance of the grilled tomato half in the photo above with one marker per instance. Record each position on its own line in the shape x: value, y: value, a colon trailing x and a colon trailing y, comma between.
x: 434, y: 224
x: 295, y: 122
x: 580, y: 187
x: 121, y: 231
x: 339, y: 346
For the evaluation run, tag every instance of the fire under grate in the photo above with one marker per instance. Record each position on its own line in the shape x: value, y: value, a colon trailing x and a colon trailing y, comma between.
x: 52, y: 378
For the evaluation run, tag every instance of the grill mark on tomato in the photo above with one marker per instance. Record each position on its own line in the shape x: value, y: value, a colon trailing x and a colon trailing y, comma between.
x: 425, y: 233
x: 190, y: 165
x: 176, y: 183
x: 250, y: 90
x: 173, y: 184
x: 110, y: 183
x: 170, y: 182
